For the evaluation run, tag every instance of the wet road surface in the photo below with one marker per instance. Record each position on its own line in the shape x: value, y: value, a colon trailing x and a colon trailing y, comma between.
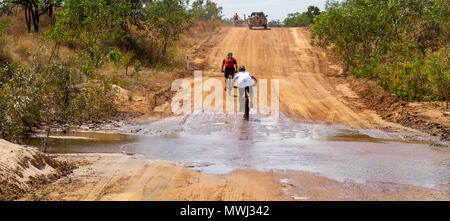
x: 219, y: 144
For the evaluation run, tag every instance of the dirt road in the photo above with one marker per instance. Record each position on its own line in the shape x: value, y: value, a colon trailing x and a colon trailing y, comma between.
x: 307, y: 95
x: 115, y: 177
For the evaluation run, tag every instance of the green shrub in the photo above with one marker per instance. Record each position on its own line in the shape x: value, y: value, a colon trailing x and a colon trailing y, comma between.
x: 302, y: 19
x: 95, y: 102
x: 402, y: 44
x: 207, y: 10
x: 275, y: 23
x: 20, y: 100
x: 54, y: 96
x: 297, y: 20
x: 438, y: 71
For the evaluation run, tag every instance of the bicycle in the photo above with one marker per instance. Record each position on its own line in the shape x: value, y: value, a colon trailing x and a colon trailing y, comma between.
x: 247, y: 95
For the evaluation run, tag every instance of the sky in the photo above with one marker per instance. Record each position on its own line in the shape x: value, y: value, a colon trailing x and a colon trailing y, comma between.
x: 276, y: 9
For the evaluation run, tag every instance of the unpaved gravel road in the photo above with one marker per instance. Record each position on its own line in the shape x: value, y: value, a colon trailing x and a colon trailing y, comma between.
x: 305, y: 92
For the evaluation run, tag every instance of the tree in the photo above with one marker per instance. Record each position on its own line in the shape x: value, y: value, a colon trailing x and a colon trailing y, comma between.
x: 302, y: 19
x: 33, y: 9
x: 297, y: 20
x: 84, y: 24
x: 401, y: 44
x: 169, y: 19
x: 208, y: 10
x: 312, y: 12
x: 330, y: 3
x: 275, y: 23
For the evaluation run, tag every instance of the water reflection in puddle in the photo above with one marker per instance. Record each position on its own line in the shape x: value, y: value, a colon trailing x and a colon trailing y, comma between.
x: 82, y: 142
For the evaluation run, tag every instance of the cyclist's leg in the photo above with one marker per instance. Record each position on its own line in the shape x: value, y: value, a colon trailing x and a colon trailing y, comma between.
x: 227, y: 75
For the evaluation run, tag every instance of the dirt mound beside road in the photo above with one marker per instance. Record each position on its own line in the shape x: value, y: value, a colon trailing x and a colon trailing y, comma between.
x: 22, y: 169
x: 425, y: 116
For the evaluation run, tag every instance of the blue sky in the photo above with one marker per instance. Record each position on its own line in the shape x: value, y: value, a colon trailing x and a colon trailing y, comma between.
x: 276, y: 9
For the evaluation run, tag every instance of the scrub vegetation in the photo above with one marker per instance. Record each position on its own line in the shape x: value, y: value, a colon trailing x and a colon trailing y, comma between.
x: 60, y: 60
x: 403, y: 45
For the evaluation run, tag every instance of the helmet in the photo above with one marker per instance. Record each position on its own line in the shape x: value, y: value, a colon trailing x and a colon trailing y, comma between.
x: 242, y: 68
x: 229, y: 55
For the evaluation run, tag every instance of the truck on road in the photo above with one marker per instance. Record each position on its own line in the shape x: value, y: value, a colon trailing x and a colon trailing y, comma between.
x: 257, y: 19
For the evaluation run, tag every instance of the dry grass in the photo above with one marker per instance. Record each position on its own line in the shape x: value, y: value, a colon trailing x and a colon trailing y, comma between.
x: 65, y: 53
x: 5, y: 55
x: 200, y: 30
x: 17, y: 27
x: 19, y: 45
x: 22, y: 45
x: 205, y: 27
x: 16, y: 24
x: 25, y: 46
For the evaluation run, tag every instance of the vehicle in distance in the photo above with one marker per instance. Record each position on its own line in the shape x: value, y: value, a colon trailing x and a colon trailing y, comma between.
x: 257, y: 19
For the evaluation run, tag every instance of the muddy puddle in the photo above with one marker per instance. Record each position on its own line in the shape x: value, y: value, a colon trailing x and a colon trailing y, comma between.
x: 219, y: 143
x: 105, y: 141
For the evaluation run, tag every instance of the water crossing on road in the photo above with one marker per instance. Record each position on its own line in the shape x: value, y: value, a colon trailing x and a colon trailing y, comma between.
x: 220, y: 143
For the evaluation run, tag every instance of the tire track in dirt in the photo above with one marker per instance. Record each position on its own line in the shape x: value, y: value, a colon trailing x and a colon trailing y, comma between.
x: 136, y: 180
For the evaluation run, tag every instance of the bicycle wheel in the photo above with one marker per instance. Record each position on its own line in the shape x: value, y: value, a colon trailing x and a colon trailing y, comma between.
x: 247, y: 105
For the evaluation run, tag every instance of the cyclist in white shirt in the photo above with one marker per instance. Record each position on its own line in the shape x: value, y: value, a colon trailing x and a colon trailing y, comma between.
x: 244, y: 82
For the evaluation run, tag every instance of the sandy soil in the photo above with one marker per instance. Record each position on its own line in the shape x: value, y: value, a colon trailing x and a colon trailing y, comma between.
x: 116, y: 177
x: 23, y: 169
